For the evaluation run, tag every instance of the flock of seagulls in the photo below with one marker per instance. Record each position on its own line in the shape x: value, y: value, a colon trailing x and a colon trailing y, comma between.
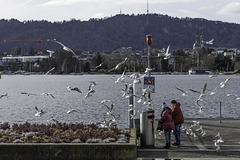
x: 111, y: 122
x: 217, y: 141
x: 196, y: 127
x: 201, y: 102
x: 40, y: 113
x: 143, y: 98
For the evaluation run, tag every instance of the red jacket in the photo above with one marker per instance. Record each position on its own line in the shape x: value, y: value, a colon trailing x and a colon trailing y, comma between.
x: 177, y: 114
x: 167, y: 120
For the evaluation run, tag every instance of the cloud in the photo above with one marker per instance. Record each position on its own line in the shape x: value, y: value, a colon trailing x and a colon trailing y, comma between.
x: 173, y: 1
x: 232, y: 8
x: 61, y: 2
x: 69, y: 2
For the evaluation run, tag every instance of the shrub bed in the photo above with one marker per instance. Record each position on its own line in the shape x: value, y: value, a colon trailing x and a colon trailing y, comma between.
x: 61, y: 133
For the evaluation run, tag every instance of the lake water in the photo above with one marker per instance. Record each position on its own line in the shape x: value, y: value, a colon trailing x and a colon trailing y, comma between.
x: 19, y: 108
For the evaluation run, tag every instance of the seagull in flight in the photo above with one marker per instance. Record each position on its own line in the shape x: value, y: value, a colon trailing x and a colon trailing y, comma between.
x: 29, y: 94
x: 223, y: 84
x: 110, y: 109
x: 167, y: 54
x: 99, y: 66
x: 91, y: 85
x: 49, y: 71
x: 201, y: 93
x: 148, y: 70
x: 211, y: 74
x: 3, y: 95
x: 121, y: 78
x: 39, y: 113
x: 54, y: 120
x: 210, y: 42
x: 64, y: 47
x: 89, y: 93
x: 105, y: 100
x: 183, y: 92
x: 48, y: 94
x: 69, y: 88
x: 118, y: 65
x: 71, y: 111
x: 134, y: 115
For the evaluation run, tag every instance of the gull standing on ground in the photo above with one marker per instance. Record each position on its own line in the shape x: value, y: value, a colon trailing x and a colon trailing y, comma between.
x: 218, y: 135
x: 196, y: 123
x: 203, y: 133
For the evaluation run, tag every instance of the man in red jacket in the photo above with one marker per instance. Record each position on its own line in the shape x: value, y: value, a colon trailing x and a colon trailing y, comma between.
x: 178, y: 120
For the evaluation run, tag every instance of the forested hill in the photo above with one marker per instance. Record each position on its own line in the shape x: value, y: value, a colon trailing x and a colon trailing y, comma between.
x: 119, y: 31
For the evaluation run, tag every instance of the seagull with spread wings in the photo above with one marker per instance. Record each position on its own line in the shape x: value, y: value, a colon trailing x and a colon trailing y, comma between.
x: 69, y: 88
x: 48, y: 94
x: 118, y: 65
x: 183, y: 92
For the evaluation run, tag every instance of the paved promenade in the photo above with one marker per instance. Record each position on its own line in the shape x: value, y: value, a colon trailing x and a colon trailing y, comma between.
x: 194, y: 145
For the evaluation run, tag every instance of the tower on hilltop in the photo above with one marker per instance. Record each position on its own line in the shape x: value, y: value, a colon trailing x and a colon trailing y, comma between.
x: 147, y: 8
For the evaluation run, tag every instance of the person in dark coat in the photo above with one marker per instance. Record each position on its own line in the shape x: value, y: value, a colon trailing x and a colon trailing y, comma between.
x: 167, y: 125
x: 178, y: 120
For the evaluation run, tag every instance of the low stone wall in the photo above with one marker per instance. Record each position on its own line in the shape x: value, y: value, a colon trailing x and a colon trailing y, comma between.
x: 69, y: 151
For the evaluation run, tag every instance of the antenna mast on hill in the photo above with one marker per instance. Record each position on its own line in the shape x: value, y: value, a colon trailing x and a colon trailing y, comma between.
x: 147, y: 7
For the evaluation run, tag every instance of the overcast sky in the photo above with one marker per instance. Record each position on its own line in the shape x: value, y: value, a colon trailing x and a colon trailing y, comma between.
x: 59, y: 10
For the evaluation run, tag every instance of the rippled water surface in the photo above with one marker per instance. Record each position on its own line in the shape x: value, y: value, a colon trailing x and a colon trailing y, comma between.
x: 19, y: 108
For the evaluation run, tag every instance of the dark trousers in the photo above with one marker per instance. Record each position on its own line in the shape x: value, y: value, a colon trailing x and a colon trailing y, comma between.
x: 167, y: 136
x: 177, y: 133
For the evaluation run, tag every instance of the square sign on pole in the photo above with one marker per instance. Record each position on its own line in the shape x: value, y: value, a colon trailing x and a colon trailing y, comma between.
x: 149, y: 82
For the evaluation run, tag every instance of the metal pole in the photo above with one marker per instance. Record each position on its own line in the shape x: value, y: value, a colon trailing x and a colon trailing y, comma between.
x: 149, y: 42
x: 130, y: 112
x: 220, y: 116
x: 149, y: 66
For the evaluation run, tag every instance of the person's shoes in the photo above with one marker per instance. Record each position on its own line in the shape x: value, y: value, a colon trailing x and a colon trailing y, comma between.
x: 176, y: 144
x: 167, y: 146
